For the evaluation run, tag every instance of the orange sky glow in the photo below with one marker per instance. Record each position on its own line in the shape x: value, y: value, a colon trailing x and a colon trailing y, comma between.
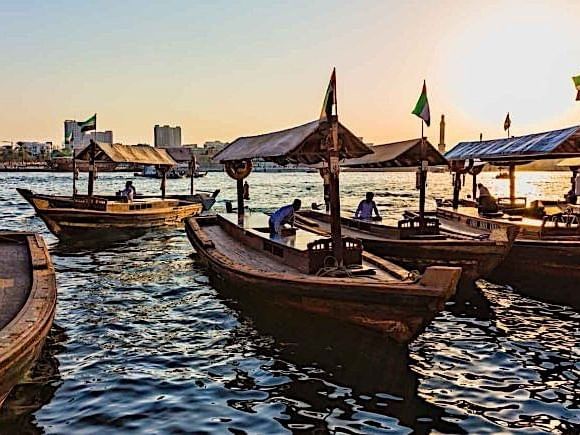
x: 223, y: 70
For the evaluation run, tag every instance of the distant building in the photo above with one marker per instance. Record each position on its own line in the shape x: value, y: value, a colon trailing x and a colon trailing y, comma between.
x: 98, y: 136
x: 36, y: 149
x: 441, y: 146
x: 166, y: 136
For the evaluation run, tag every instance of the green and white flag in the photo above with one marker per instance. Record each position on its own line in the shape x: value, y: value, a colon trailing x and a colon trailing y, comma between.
x: 422, y: 107
x: 68, y: 138
x: 576, y: 81
x: 89, y: 124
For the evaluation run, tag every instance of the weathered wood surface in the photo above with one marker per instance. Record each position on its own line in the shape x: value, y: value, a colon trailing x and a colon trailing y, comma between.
x: 399, y: 309
x: 547, y: 269
x: 28, y: 302
x: 65, y: 221
x: 477, y: 258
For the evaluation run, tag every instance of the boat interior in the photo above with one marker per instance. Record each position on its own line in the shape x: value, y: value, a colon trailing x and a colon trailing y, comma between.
x: 295, y: 251
x: 15, y: 276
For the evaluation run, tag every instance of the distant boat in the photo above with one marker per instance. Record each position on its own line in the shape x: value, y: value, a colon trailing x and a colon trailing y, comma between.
x: 27, y: 306
x: 96, y: 217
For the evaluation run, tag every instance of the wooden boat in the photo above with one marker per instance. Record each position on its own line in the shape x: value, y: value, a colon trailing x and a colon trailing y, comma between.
x: 94, y: 216
x: 405, y: 246
x: 375, y: 293
x: 90, y: 216
x: 27, y: 304
x: 544, y: 261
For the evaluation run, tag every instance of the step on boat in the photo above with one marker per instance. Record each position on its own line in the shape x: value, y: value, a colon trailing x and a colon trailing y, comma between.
x: 407, y: 246
x: 90, y: 216
x: 27, y: 304
x: 328, y: 276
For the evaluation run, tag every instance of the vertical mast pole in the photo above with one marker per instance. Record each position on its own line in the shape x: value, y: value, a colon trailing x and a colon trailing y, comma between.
x: 92, y: 153
x: 74, y: 169
x: 240, y: 192
x: 193, y: 165
x: 512, y: 183
x: 333, y: 165
x: 422, y: 179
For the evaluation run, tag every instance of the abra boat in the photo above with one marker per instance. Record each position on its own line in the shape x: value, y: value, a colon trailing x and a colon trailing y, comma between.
x: 27, y: 304
x: 406, y: 246
x: 90, y: 216
x: 545, y: 259
x: 329, y: 276
x: 372, y: 293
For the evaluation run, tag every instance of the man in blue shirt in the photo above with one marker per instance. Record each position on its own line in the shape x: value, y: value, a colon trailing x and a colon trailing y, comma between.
x: 366, y: 207
x: 284, y: 215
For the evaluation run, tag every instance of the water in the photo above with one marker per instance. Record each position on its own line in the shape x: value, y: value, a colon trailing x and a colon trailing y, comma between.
x: 142, y: 343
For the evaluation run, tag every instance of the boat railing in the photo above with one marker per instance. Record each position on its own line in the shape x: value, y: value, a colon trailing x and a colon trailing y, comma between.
x: 411, y: 227
x: 507, y: 203
x: 320, y: 253
x: 561, y: 224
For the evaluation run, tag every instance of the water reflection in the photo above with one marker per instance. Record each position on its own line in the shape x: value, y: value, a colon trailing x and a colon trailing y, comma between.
x: 36, y: 390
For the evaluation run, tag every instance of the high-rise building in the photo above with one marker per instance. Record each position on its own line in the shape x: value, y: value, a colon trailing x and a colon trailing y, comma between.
x: 71, y: 126
x: 166, y: 136
x: 98, y: 136
x: 441, y: 146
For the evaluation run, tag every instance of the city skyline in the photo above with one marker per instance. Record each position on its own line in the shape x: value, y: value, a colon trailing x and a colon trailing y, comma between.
x: 222, y: 71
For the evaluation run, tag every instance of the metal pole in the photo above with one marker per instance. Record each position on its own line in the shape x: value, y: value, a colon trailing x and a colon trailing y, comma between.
x: 74, y: 169
x: 191, y: 184
x: 334, y: 168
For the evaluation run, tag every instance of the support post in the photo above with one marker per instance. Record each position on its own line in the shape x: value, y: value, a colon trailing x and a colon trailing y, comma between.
x: 474, y: 186
x: 163, y: 181
x: 74, y: 169
x: 456, y: 189
x: 92, y: 153
x: 192, y: 173
x: 240, y: 192
x: 334, y: 169
x: 512, y: 184
x: 422, y: 182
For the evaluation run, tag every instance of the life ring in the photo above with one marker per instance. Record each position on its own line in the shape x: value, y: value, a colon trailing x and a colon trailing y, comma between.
x: 239, y: 169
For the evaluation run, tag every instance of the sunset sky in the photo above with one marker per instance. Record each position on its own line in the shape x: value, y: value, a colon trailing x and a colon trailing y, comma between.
x: 223, y: 69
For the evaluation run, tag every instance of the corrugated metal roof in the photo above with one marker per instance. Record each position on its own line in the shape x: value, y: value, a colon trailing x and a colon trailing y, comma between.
x: 398, y: 155
x: 139, y: 154
x: 302, y: 144
x: 547, y: 145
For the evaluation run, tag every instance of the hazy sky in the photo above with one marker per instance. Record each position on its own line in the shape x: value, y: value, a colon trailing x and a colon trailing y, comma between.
x: 223, y: 69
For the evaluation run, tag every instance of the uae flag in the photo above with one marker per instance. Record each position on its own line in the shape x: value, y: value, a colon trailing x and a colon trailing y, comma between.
x: 89, y: 124
x: 422, y: 107
x: 329, y: 99
x: 507, y: 123
x: 576, y: 81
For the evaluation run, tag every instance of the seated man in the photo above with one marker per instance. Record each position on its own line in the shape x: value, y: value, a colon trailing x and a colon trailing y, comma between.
x: 129, y: 192
x: 486, y: 202
x: 284, y: 215
x: 366, y: 207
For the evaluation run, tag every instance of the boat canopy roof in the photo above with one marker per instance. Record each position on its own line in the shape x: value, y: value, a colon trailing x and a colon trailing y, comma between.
x: 117, y: 153
x: 402, y: 154
x: 302, y: 144
x: 548, y: 145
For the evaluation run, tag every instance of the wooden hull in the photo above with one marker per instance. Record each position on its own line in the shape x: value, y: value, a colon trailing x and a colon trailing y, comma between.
x: 27, y: 310
x: 546, y: 269
x: 67, y: 222
x: 477, y: 258
x: 397, y: 309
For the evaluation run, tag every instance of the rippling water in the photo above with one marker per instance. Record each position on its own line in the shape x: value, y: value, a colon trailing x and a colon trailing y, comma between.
x: 143, y: 344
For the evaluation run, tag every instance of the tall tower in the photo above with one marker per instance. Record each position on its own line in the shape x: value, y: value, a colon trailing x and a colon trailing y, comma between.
x: 441, y: 146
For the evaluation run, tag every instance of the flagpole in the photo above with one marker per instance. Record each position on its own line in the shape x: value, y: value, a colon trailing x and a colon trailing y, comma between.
x: 422, y: 177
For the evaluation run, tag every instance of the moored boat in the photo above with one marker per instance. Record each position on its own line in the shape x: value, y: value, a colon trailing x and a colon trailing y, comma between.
x: 27, y: 304
x: 91, y: 216
x: 293, y: 268
x: 404, y: 244
x: 289, y: 271
x: 545, y: 259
